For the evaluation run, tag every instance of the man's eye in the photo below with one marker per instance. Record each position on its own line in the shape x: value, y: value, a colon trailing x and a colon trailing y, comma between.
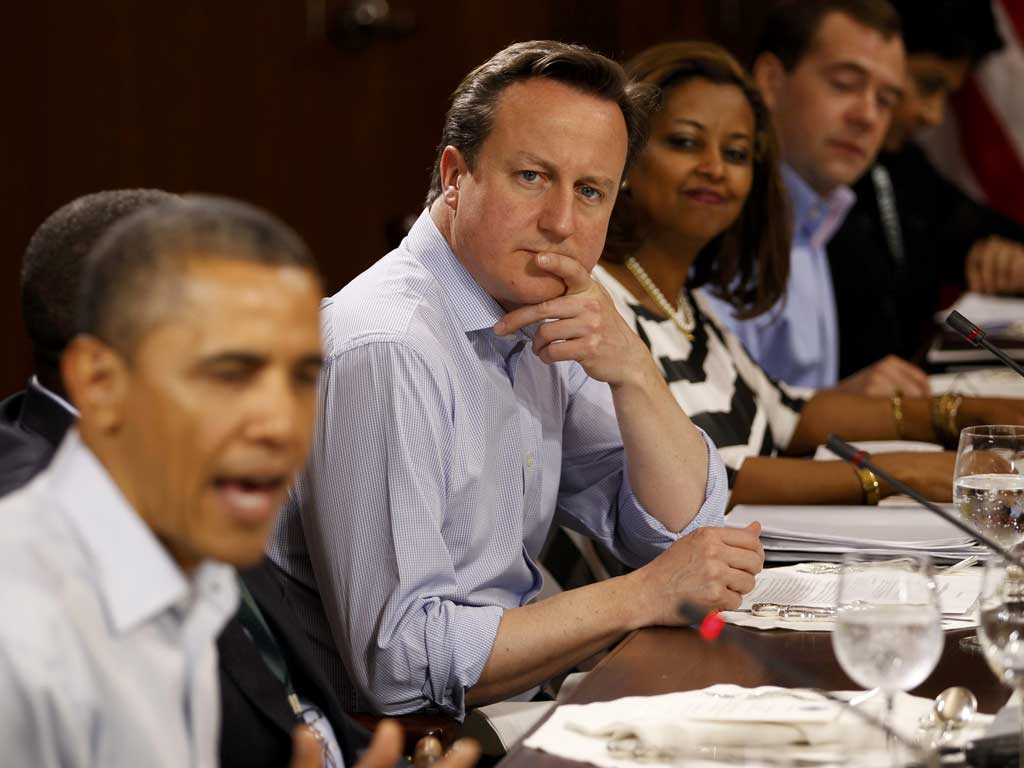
x: 929, y: 86
x: 307, y: 376
x: 232, y: 375
x: 888, y: 103
x: 843, y: 86
x: 591, y: 193
x: 529, y: 176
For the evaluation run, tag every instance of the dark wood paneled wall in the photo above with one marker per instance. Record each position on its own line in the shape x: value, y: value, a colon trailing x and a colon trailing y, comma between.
x: 251, y: 99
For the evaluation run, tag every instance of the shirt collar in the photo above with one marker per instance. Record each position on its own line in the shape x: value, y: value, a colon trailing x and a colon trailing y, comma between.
x: 37, y: 385
x: 137, y: 577
x: 816, y: 218
x: 475, y: 309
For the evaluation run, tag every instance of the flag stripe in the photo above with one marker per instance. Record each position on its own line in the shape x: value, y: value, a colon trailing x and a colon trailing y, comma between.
x: 992, y: 156
x: 991, y: 116
x: 1014, y: 11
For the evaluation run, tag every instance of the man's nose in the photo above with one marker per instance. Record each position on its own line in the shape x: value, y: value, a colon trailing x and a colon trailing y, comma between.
x: 557, y: 217
x: 865, y: 111
x: 275, y: 417
x: 933, y: 110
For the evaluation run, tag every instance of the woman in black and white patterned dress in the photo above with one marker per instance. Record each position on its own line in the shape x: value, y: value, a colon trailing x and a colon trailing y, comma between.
x: 704, y: 205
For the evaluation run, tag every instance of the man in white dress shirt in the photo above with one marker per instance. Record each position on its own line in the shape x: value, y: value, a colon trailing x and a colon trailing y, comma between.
x: 195, y: 381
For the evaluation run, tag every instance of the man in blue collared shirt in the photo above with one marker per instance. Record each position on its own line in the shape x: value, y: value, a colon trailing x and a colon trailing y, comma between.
x: 832, y: 72
x: 479, y: 386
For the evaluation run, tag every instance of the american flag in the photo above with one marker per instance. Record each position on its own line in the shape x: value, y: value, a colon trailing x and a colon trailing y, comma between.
x: 981, y: 146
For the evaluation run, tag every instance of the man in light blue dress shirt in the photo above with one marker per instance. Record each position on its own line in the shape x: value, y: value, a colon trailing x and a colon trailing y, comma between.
x: 194, y: 378
x: 478, y: 387
x: 832, y: 72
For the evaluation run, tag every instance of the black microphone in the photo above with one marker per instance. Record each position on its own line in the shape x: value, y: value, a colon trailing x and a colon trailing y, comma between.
x: 847, y: 452
x: 712, y: 626
x: 976, y: 337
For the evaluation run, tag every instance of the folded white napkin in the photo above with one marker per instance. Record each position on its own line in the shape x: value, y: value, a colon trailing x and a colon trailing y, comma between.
x: 721, y: 716
x: 661, y: 738
x: 616, y: 734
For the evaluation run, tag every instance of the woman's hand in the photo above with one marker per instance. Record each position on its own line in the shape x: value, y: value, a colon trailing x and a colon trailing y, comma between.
x: 990, y: 410
x: 929, y: 473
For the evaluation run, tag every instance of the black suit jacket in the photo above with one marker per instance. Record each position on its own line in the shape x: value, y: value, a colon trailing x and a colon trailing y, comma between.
x: 256, y: 721
x: 32, y: 424
x: 884, y: 308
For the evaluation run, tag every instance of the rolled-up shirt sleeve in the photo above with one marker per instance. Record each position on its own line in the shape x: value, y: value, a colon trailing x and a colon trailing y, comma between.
x: 406, y: 629
x: 596, y: 497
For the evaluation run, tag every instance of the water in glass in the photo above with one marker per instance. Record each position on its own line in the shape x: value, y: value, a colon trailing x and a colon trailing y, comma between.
x: 894, y: 647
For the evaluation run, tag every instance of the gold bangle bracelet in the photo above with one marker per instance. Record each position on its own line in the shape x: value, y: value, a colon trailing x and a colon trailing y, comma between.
x: 897, y: 413
x: 945, y: 412
x: 952, y: 422
x: 869, y: 485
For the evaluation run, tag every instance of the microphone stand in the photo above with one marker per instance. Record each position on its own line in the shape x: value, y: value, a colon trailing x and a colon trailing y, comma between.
x: 976, y: 337
x: 847, y: 452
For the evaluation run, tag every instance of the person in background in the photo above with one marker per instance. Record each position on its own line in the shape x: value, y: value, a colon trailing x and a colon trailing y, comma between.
x: 456, y: 425
x: 832, y: 74
x: 256, y: 718
x: 33, y: 421
x: 194, y: 374
x: 703, y: 205
x: 912, y: 232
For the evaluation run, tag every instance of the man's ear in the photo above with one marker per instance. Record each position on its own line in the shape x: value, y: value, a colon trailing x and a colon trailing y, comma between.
x: 453, y: 169
x: 96, y: 379
x: 770, y: 76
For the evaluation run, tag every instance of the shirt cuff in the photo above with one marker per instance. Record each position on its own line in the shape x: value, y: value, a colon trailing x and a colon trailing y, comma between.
x: 651, y: 534
x: 469, y: 640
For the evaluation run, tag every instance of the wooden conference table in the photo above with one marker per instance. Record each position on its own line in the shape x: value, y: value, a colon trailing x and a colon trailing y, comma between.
x: 662, y: 660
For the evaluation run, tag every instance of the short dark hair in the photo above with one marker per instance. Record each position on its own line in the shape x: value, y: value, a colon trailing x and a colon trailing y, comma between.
x: 52, y: 269
x: 474, y: 104
x: 748, y: 264
x: 137, y: 264
x: 949, y: 29
x: 792, y: 25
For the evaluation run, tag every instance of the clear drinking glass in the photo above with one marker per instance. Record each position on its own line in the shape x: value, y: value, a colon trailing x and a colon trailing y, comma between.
x: 1001, y: 627
x: 888, y: 631
x: 988, y: 490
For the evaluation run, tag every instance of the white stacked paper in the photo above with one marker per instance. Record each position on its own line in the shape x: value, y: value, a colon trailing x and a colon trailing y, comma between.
x: 993, y: 314
x: 826, y: 533
x: 880, y: 446
x: 983, y: 382
x: 805, y: 585
x: 999, y: 316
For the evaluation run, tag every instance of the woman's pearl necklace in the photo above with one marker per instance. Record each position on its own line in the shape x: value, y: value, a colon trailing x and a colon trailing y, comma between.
x: 681, y: 316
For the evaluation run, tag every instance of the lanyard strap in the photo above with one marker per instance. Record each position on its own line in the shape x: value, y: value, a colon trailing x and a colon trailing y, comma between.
x: 252, y: 619
x: 889, y: 214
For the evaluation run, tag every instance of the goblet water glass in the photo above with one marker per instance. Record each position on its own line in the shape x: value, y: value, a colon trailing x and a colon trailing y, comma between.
x: 888, y: 632
x: 987, y: 489
x: 1001, y: 627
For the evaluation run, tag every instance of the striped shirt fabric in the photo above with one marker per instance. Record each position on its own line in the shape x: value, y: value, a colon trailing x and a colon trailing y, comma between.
x: 724, y: 392
x: 441, y: 458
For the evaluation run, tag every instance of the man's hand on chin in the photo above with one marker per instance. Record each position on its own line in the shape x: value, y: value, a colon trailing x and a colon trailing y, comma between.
x: 584, y: 326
